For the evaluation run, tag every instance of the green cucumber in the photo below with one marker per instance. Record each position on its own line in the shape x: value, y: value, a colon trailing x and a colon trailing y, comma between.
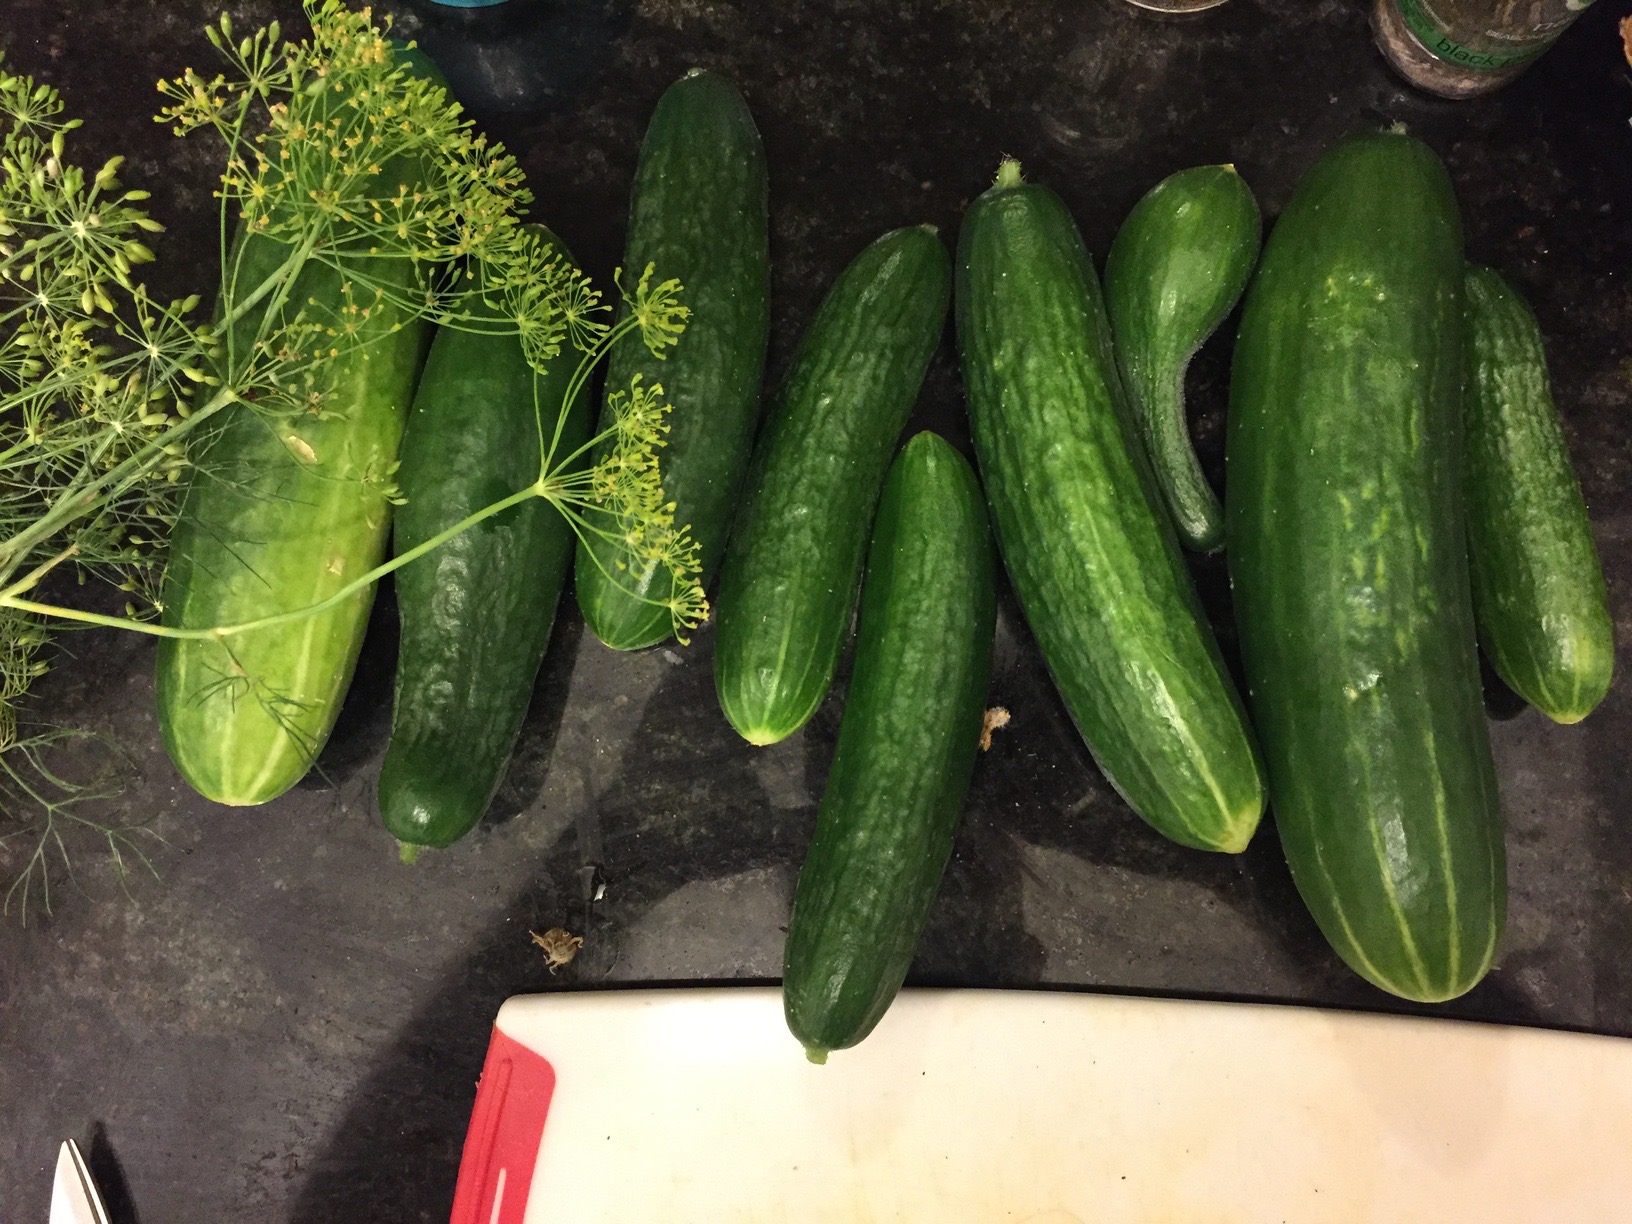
x: 1094, y: 560
x: 788, y: 588
x: 699, y: 216
x: 1349, y: 562
x: 1538, y: 590
x: 912, y: 719
x: 1177, y: 267
x: 476, y: 612
x: 280, y: 515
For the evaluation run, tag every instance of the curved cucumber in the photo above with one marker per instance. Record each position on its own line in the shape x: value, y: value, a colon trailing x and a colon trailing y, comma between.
x: 906, y: 748
x: 789, y: 584
x: 280, y: 515
x: 1177, y: 267
x: 1092, y: 558
x: 698, y: 215
x: 476, y: 611
x: 1349, y: 561
x: 1538, y: 589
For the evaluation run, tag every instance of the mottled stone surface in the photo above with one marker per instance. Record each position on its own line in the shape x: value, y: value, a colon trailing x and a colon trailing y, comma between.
x: 288, y: 1024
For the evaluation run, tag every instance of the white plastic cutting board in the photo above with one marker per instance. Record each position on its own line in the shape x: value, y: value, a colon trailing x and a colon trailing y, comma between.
x: 694, y: 1106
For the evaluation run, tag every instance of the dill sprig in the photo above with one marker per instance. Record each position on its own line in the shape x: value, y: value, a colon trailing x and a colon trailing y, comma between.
x: 340, y: 152
x: 94, y: 376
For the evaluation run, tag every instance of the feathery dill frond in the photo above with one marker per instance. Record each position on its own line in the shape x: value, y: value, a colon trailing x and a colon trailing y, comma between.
x: 93, y: 375
x: 340, y: 152
x: 356, y: 157
x: 68, y: 814
x: 95, y: 378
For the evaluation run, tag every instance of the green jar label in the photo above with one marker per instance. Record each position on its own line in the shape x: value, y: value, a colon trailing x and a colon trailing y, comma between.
x: 1515, y: 48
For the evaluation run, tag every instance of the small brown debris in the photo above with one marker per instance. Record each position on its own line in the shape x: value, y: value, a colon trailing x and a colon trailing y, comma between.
x: 559, y: 945
x: 995, y: 718
x: 1626, y: 37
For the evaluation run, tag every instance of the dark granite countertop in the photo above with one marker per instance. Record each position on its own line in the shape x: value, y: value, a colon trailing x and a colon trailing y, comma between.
x: 287, y: 1024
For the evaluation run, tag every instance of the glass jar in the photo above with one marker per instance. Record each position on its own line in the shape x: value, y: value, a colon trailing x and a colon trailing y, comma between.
x: 1459, y: 48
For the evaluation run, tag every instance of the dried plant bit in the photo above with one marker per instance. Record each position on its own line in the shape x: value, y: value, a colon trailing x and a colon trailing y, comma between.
x: 994, y: 719
x: 559, y: 946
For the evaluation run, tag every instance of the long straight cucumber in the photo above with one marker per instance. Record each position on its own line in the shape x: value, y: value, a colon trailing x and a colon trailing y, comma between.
x: 280, y: 514
x: 1093, y: 557
x: 476, y: 612
x: 1348, y: 554
x: 906, y: 748
x: 1538, y: 589
x: 698, y: 215
x: 789, y: 584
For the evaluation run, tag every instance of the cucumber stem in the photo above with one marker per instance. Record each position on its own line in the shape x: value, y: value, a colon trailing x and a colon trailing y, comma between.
x: 1008, y: 173
x: 817, y: 1055
x: 408, y: 852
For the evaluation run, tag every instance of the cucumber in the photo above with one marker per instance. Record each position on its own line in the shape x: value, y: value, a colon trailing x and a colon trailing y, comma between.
x: 280, y: 514
x: 1177, y: 267
x: 1539, y: 596
x: 912, y: 719
x: 698, y: 215
x: 1348, y: 556
x: 476, y: 612
x: 789, y: 583
x: 1091, y: 555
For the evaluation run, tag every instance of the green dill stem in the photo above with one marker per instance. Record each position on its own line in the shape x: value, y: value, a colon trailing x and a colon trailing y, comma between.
x: 279, y: 283
x: 8, y: 600
x: 547, y: 469
x: 31, y: 579
x: 221, y: 227
x: 602, y: 347
x: 285, y: 275
x: 585, y: 364
x: 558, y: 471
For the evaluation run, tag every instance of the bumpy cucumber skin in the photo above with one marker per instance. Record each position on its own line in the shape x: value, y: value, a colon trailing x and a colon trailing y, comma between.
x: 1348, y: 555
x: 1177, y: 267
x: 698, y: 215
x: 906, y: 749
x: 1094, y: 561
x: 279, y: 516
x: 788, y: 587
x: 476, y: 612
x: 1539, y: 595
